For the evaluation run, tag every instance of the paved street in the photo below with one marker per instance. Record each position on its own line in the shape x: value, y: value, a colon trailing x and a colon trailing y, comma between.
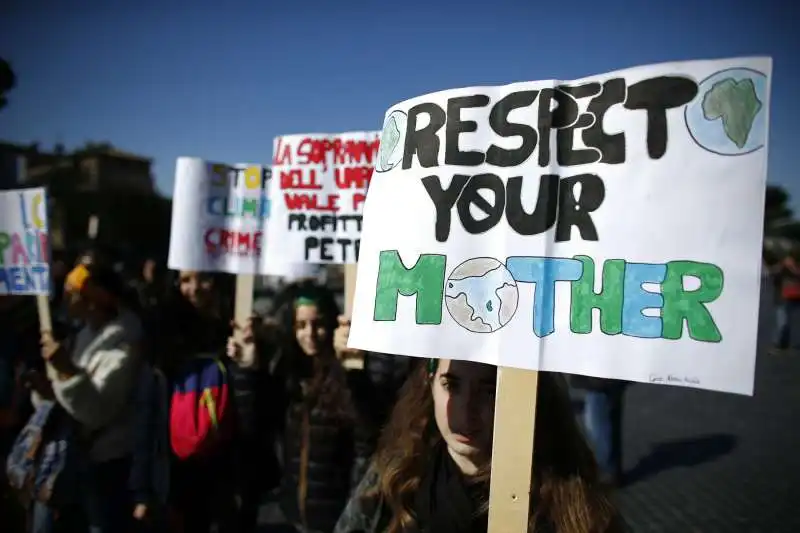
x: 705, y: 462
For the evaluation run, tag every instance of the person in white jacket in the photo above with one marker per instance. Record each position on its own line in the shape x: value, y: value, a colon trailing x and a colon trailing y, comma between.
x: 94, y: 382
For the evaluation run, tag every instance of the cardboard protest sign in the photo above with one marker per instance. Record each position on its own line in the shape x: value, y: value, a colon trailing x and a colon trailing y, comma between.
x: 317, y: 197
x: 609, y: 226
x: 24, y: 244
x: 217, y: 216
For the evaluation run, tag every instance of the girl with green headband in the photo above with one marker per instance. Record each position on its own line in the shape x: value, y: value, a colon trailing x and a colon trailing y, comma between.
x: 327, y: 433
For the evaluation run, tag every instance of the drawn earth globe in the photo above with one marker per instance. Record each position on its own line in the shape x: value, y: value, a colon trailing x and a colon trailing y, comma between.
x: 393, y: 135
x: 729, y: 114
x: 481, y: 295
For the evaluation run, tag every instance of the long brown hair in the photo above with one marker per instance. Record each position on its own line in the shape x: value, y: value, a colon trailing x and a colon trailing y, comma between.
x: 313, y: 383
x: 566, y: 492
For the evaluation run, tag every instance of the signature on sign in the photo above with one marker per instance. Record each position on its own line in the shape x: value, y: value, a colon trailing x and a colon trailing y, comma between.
x: 672, y: 379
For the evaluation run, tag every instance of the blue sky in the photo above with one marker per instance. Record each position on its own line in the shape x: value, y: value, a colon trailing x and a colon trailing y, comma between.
x: 195, y: 79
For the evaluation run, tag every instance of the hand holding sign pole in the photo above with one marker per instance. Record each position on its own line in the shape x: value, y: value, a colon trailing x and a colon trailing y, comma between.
x: 515, y: 226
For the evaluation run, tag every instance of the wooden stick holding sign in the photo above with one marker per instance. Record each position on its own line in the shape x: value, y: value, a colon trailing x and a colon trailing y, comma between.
x: 43, y: 307
x: 243, y: 304
x: 350, y: 273
x: 512, y: 450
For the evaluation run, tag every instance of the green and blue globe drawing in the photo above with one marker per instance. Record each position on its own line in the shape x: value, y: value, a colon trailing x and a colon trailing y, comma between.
x: 393, y: 136
x: 729, y: 114
x: 481, y: 295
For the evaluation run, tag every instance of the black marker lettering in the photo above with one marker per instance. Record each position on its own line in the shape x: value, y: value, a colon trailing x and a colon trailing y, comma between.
x: 470, y: 197
x: 456, y: 126
x: 545, y: 124
x: 423, y: 142
x: 655, y: 96
x: 544, y: 214
x: 498, y: 121
x: 443, y: 201
x: 569, y: 121
x: 574, y: 211
x: 612, y: 147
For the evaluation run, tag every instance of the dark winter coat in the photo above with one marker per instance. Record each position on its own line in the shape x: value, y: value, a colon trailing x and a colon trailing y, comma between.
x: 325, y: 452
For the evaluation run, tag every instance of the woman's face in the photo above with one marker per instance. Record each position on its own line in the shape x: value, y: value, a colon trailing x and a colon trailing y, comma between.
x: 197, y: 288
x: 463, y: 399
x: 309, y: 329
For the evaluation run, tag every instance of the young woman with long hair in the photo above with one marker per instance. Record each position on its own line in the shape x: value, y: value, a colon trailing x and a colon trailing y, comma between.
x: 327, y: 434
x: 432, y: 468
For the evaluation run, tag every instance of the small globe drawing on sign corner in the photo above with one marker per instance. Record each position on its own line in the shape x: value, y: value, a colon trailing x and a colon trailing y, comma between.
x: 729, y: 115
x: 393, y: 138
x: 481, y: 295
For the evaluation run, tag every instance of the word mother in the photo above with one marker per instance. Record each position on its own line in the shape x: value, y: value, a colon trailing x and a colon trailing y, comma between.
x: 621, y: 301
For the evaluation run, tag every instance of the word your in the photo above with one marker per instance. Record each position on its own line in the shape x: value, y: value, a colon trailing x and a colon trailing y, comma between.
x: 620, y: 302
x: 223, y: 241
x: 312, y: 151
x: 252, y: 177
x: 654, y: 96
x: 557, y: 204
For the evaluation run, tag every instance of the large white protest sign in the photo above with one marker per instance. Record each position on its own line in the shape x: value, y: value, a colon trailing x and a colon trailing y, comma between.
x: 317, y: 197
x: 217, y: 216
x: 609, y: 226
x: 24, y: 244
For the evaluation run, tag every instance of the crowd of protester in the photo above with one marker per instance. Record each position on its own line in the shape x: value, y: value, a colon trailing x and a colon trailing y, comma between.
x: 146, y: 408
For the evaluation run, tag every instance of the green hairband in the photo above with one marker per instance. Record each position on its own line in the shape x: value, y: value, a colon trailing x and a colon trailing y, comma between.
x: 433, y: 364
x: 304, y: 300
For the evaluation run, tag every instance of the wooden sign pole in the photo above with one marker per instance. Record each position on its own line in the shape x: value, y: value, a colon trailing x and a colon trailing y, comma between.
x: 243, y: 305
x: 43, y: 306
x: 350, y: 272
x: 512, y: 450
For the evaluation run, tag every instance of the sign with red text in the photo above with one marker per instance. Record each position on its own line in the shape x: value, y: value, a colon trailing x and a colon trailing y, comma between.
x: 317, y: 196
x: 609, y: 226
x: 24, y: 244
x: 218, y: 213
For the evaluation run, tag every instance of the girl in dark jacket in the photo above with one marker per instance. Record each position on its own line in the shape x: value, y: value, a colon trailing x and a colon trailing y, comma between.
x: 328, y: 433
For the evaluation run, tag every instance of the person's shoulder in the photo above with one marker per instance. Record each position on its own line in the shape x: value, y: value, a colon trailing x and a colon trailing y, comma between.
x: 131, y: 323
x: 364, y: 510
